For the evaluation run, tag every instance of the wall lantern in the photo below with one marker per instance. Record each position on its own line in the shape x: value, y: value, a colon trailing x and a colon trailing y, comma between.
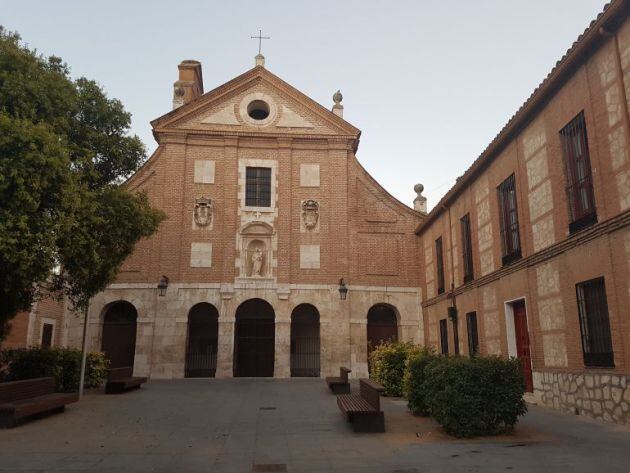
x: 162, y: 285
x: 343, y: 289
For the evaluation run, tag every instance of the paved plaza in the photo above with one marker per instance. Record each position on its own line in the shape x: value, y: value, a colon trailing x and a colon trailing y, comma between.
x: 292, y: 425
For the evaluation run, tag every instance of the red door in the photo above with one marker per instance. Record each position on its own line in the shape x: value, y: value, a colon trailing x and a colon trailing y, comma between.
x: 522, y: 343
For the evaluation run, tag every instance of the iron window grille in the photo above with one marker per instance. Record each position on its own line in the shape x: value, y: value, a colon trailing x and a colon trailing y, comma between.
x: 510, y: 241
x: 473, y: 334
x: 595, y: 323
x: 467, y: 248
x: 579, y: 189
x: 258, y: 187
x: 444, y: 336
x: 440, y: 265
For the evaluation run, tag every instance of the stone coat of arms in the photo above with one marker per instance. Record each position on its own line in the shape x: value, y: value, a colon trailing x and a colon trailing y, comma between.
x: 310, y: 213
x: 203, y: 211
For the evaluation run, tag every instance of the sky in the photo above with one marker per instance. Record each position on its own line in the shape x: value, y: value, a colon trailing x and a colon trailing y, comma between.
x: 429, y: 83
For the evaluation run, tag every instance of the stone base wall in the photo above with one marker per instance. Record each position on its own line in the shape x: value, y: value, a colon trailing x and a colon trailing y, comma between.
x: 162, y: 323
x: 602, y: 396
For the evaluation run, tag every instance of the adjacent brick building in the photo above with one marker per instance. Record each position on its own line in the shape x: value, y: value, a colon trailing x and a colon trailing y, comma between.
x: 528, y: 255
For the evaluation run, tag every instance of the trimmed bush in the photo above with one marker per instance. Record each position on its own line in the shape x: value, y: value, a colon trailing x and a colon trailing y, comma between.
x: 387, y: 365
x: 413, y: 379
x: 64, y: 364
x: 475, y: 396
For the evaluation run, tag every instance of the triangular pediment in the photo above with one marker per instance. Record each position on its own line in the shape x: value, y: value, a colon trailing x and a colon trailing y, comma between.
x: 228, y: 108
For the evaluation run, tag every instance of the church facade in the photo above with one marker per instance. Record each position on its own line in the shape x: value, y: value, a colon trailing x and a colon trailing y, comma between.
x: 280, y: 255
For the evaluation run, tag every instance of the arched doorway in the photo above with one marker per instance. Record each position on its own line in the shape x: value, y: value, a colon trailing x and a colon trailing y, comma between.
x: 381, y: 325
x: 201, y: 348
x: 254, y: 339
x: 119, y: 334
x: 305, y: 344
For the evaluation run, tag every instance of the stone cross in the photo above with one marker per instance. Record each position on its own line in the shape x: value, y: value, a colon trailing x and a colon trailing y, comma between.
x: 260, y: 37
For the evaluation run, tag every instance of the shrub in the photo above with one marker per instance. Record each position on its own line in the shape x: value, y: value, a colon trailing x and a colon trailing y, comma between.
x: 387, y: 365
x: 475, y: 396
x: 64, y: 364
x: 413, y: 379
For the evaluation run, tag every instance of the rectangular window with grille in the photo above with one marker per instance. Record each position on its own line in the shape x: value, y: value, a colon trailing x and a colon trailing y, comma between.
x: 508, y: 213
x: 467, y: 248
x: 258, y: 187
x: 47, y: 335
x: 577, y: 162
x: 473, y: 334
x: 444, y: 337
x: 594, y: 323
x: 440, y: 265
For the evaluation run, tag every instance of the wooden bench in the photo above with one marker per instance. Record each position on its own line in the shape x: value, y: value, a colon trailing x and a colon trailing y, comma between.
x: 120, y: 380
x: 339, y: 384
x: 363, y: 410
x: 20, y: 400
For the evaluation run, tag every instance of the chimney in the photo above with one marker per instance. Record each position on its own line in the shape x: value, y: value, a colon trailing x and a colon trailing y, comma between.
x: 190, y: 83
x: 420, y: 202
x: 337, y: 108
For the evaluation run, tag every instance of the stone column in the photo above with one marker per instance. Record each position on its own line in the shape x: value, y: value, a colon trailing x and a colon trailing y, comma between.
x: 225, y: 342
x: 282, y: 362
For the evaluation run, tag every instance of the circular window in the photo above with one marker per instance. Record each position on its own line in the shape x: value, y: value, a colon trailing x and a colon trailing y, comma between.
x: 258, y: 109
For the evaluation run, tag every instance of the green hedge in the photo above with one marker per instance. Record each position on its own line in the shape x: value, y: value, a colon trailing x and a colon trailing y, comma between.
x: 413, y: 379
x: 64, y: 364
x: 474, y: 396
x: 387, y: 365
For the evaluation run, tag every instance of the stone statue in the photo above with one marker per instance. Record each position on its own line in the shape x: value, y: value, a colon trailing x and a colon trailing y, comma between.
x: 257, y: 261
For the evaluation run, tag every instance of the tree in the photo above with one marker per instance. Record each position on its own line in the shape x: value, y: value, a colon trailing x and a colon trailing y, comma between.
x: 65, y: 150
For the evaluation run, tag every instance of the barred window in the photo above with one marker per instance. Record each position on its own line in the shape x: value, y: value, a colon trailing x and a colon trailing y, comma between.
x: 444, y: 337
x: 510, y: 241
x: 47, y: 335
x: 473, y: 334
x: 258, y: 187
x: 579, y: 188
x: 467, y: 248
x: 440, y: 265
x: 595, y: 323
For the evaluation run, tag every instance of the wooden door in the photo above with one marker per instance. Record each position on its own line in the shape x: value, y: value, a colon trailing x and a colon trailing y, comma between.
x: 522, y: 343
x: 255, y: 346
x: 119, y: 334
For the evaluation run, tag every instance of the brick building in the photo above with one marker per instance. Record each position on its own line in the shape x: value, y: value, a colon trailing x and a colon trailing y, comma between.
x: 44, y: 325
x: 528, y: 255
x: 270, y: 219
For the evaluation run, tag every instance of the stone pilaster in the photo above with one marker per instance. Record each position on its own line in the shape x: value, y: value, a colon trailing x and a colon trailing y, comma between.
x: 282, y: 362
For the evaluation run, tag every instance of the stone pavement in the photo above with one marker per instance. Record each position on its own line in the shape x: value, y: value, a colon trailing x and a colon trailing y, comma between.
x: 245, y: 425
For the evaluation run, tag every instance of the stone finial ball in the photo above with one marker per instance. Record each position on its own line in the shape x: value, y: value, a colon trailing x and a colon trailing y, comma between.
x: 337, y: 97
x: 418, y: 188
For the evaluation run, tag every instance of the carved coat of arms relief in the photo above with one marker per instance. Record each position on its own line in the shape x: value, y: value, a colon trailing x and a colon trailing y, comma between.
x: 310, y: 213
x: 203, y: 211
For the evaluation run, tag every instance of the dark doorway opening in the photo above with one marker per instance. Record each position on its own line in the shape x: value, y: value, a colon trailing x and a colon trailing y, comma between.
x: 305, y: 342
x: 119, y: 334
x: 201, y: 349
x: 254, y: 339
x: 522, y: 343
x: 381, y: 327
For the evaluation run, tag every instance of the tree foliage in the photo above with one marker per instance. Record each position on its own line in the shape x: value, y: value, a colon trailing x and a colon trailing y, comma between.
x: 65, y: 148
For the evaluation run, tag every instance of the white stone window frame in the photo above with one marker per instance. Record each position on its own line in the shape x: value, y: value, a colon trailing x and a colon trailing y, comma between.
x: 42, y: 322
x: 249, y: 98
x: 245, y: 163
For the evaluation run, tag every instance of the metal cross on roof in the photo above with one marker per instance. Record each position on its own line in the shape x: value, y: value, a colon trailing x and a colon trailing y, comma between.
x: 260, y: 37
